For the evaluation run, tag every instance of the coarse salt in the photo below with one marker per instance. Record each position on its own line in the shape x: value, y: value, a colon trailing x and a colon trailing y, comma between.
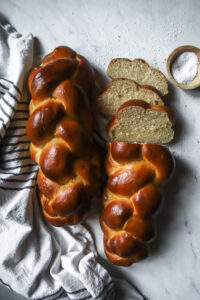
x: 185, y: 67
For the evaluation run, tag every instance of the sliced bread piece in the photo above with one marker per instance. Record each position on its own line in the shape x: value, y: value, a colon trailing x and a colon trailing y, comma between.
x: 121, y: 90
x: 139, y: 71
x: 139, y: 122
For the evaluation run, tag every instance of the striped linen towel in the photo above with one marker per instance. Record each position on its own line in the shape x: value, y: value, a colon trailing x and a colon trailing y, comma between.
x: 37, y: 260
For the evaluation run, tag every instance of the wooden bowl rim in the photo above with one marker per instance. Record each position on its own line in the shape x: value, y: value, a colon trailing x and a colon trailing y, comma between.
x: 172, y: 57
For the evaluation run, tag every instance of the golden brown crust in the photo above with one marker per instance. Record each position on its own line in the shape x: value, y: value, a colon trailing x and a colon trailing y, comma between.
x: 67, y: 61
x: 49, y: 76
x: 131, y: 198
x: 145, y: 105
x: 59, y: 52
x: 124, y: 152
x: 124, y: 261
x: 135, y: 102
x: 127, y: 181
x: 84, y: 74
x: 60, y: 130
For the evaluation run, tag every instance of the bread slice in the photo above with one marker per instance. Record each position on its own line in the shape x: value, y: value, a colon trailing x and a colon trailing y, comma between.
x: 120, y: 91
x: 139, y: 122
x: 139, y: 71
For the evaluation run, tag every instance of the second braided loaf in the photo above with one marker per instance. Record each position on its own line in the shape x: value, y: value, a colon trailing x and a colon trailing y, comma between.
x: 131, y: 198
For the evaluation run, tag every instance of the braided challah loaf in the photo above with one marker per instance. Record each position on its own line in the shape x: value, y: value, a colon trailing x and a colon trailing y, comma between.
x: 131, y: 198
x: 60, y: 129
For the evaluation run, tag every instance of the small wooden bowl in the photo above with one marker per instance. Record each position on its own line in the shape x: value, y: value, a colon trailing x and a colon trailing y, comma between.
x: 196, y: 82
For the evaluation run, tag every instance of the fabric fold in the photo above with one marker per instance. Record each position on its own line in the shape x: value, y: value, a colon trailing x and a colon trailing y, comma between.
x: 37, y: 260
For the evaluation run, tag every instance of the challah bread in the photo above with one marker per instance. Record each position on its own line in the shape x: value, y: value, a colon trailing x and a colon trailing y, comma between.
x: 139, y: 122
x: 121, y: 90
x: 81, y: 72
x: 139, y: 71
x: 60, y: 129
x: 131, y: 198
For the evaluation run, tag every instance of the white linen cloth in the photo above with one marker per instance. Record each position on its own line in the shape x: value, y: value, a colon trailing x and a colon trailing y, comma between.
x: 37, y: 260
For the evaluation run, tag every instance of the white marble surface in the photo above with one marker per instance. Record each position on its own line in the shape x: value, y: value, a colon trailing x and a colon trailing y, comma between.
x: 102, y: 30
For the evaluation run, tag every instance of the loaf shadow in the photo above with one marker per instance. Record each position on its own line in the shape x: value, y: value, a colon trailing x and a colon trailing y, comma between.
x: 96, y: 204
x: 179, y: 125
x: 194, y: 93
x: 101, y: 80
x: 171, y: 208
x: 101, y: 122
x: 170, y: 98
x: 3, y: 19
x: 37, y: 48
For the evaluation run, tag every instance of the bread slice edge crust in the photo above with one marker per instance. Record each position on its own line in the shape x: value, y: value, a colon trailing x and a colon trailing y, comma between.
x: 143, y: 63
x: 105, y: 104
x: 143, y: 109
